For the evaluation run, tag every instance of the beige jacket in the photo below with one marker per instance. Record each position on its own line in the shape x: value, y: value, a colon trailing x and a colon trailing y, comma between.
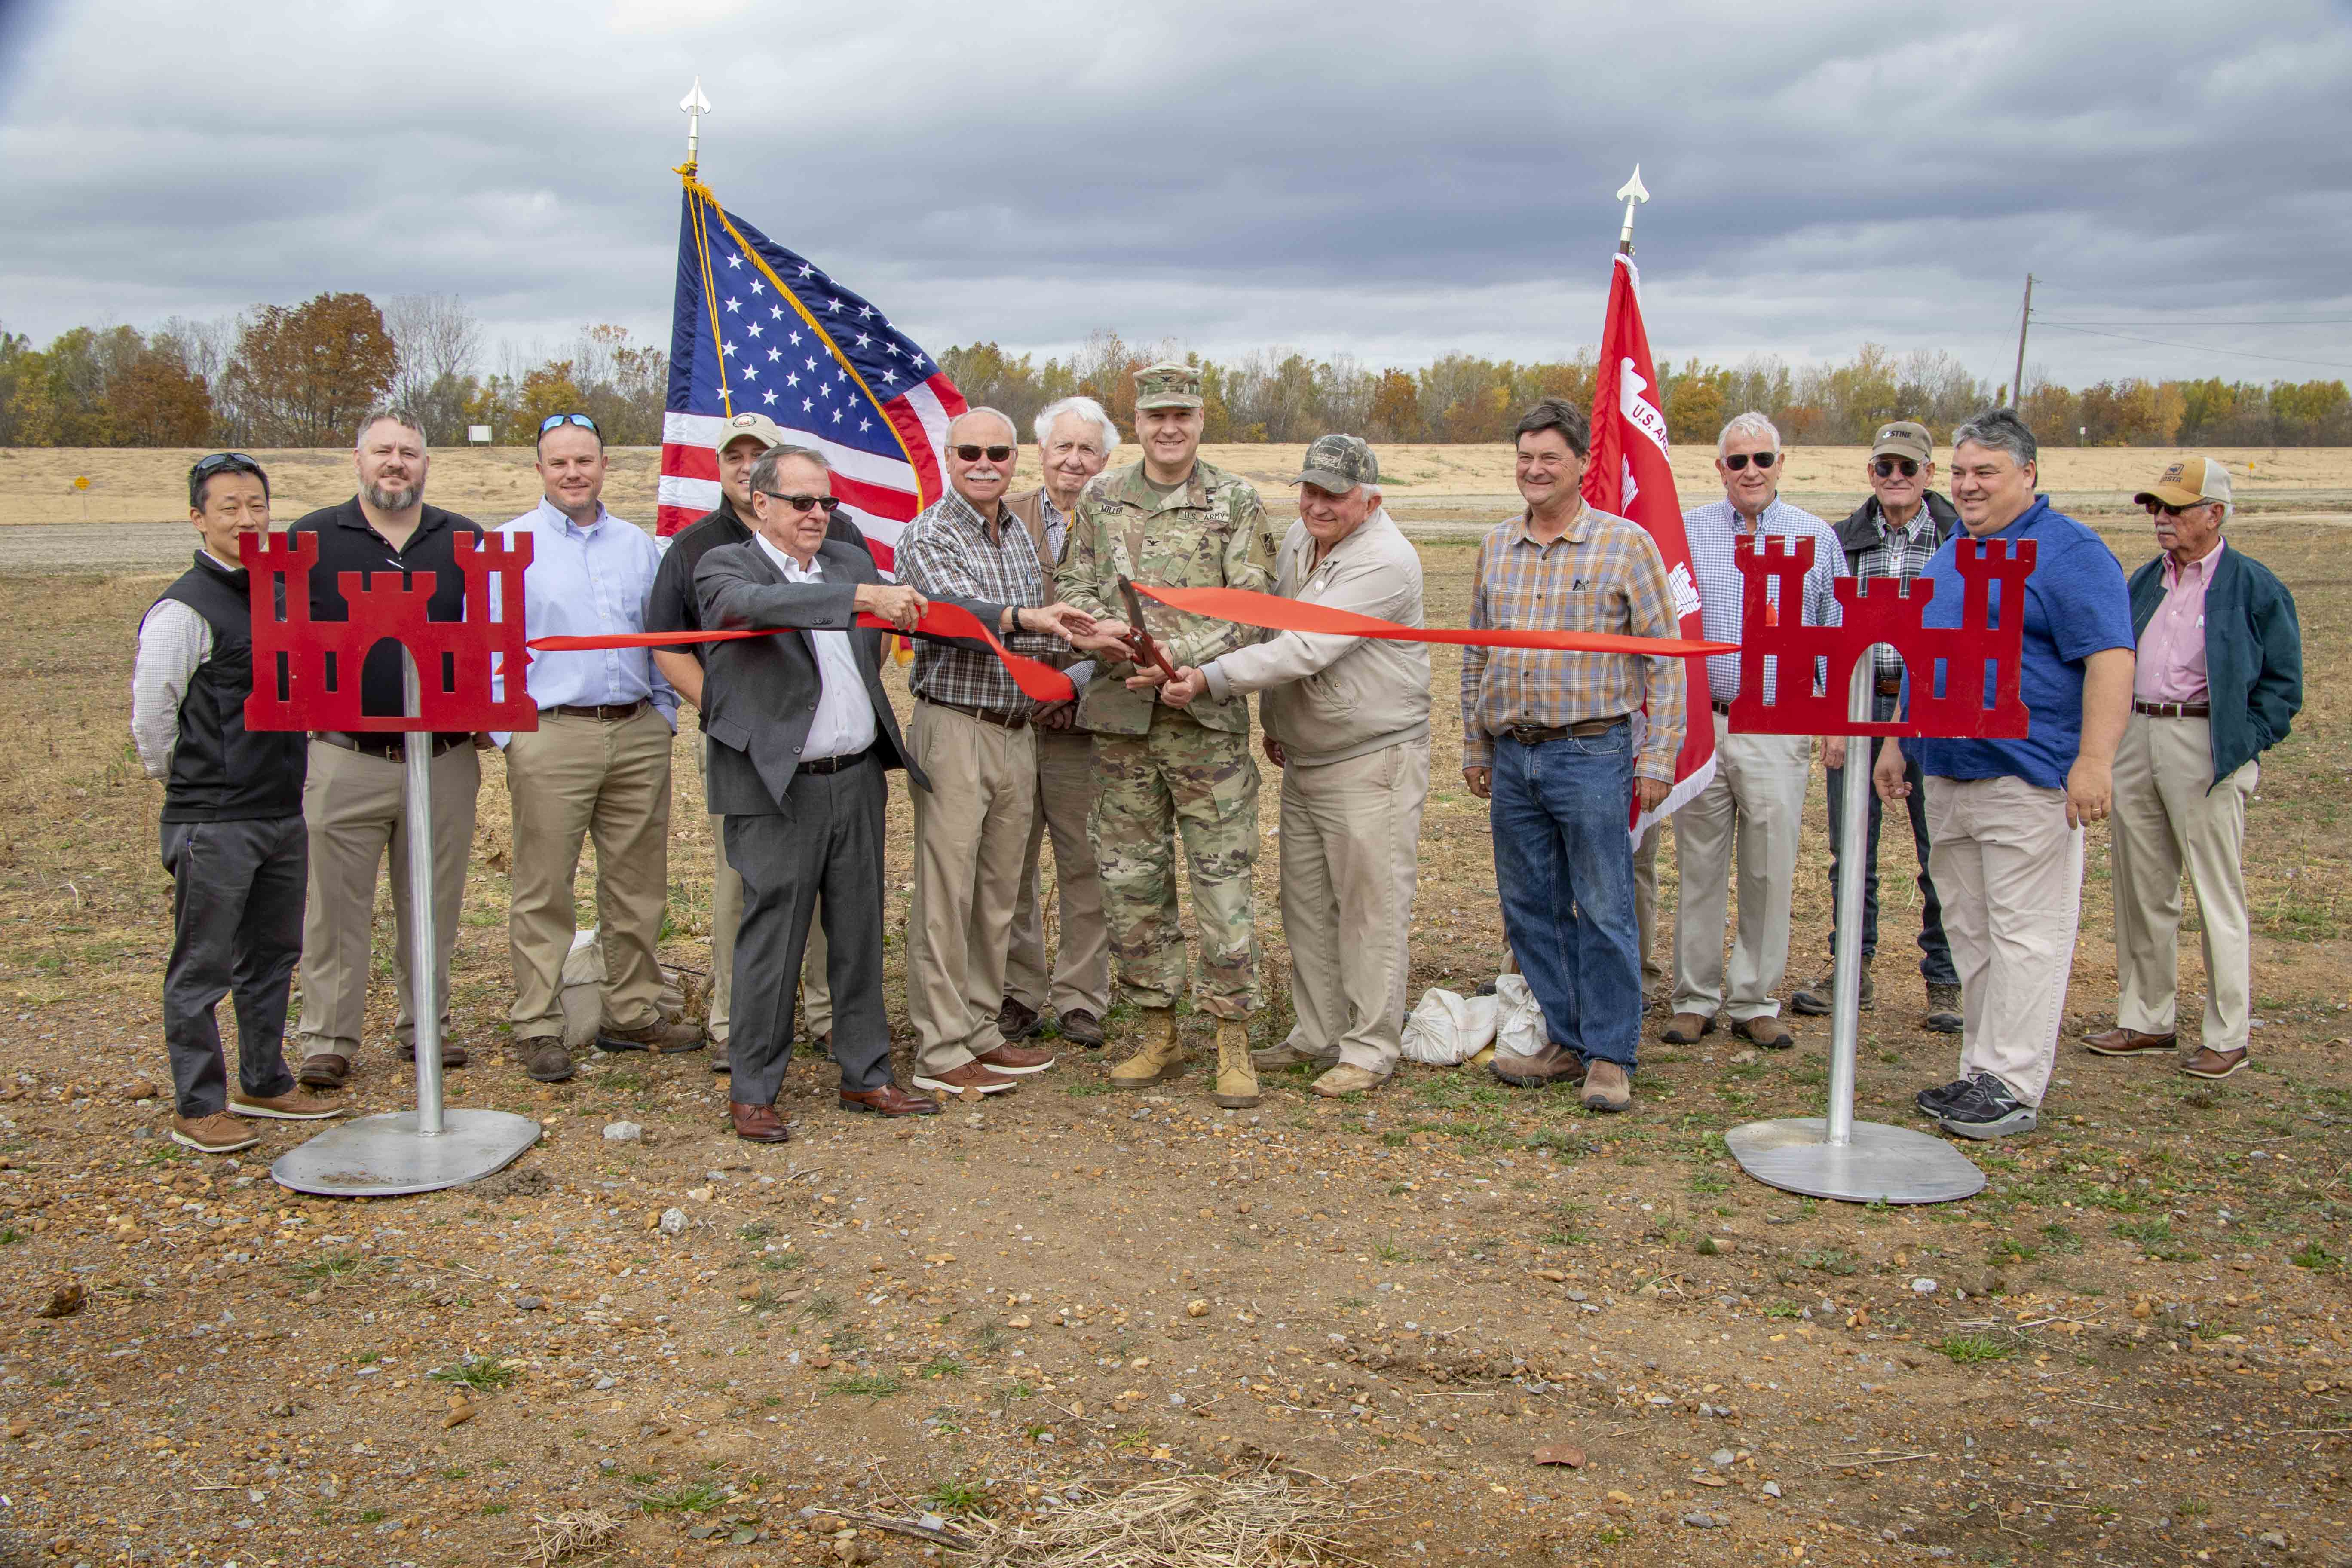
x: 1327, y: 697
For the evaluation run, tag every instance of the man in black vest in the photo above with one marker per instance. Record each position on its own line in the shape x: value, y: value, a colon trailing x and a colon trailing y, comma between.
x: 232, y: 828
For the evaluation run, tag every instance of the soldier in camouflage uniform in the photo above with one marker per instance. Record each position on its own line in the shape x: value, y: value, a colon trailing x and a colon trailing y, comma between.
x: 1172, y: 520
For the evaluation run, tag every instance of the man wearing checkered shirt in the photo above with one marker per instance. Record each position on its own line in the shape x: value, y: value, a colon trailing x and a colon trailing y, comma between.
x: 1548, y: 739
x: 1757, y: 798
x: 970, y: 734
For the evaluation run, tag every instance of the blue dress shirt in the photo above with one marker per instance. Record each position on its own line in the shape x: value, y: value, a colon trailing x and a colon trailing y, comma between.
x: 589, y: 582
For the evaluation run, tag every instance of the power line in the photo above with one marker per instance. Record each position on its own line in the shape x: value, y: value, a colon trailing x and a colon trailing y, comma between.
x: 2297, y: 322
x: 2201, y: 348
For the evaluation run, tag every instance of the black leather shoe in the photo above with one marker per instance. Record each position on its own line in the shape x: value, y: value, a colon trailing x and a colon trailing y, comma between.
x: 1016, y: 1021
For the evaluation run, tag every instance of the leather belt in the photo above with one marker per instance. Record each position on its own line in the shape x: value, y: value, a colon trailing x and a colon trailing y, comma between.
x: 1720, y: 707
x: 1536, y: 734
x: 610, y: 713
x: 835, y: 764
x: 1892, y: 687
x: 391, y: 745
x: 2173, y: 709
x: 1002, y: 718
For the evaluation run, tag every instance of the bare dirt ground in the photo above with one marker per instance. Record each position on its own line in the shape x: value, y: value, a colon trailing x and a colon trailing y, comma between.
x: 2130, y: 1349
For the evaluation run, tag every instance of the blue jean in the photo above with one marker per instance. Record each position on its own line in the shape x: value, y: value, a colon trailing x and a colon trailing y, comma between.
x: 1564, y: 869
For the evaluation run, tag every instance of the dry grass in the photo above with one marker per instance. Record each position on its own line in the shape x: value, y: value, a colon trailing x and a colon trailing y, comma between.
x: 554, y: 1537
x: 1181, y: 1522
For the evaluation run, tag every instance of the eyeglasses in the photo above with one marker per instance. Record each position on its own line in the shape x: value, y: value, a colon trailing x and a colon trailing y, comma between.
x: 1738, y: 460
x: 970, y: 454
x: 830, y: 504
x: 1885, y: 467
x: 554, y: 420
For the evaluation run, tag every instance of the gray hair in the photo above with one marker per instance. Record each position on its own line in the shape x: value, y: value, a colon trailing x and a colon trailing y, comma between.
x: 998, y: 414
x: 763, y: 472
x: 1999, y: 430
x: 1749, y: 424
x: 1085, y: 408
x: 375, y: 416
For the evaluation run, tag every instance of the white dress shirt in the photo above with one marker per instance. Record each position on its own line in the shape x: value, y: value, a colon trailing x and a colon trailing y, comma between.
x: 844, y: 725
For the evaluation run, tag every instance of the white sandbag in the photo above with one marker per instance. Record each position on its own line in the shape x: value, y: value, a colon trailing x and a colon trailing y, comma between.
x: 1448, y: 1028
x: 1518, y: 1021
x: 582, y: 991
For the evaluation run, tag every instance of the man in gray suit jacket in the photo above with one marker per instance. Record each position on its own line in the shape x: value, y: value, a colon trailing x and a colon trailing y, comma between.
x: 800, y: 736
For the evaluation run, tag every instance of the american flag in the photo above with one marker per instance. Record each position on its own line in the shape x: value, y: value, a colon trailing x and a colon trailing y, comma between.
x: 760, y: 330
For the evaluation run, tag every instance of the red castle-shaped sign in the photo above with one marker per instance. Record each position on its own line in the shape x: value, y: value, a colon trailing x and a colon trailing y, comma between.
x: 306, y: 672
x: 1963, y: 679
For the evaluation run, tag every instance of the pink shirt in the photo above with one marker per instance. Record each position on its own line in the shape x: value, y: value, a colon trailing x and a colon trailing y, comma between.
x: 2172, y: 662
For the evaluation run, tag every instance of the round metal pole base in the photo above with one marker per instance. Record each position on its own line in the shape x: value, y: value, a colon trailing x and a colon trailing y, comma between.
x: 385, y: 1156
x: 1883, y: 1164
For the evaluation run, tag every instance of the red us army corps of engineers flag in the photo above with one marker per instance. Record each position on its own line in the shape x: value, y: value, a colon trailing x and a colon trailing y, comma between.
x: 755, y: 328
x: 1629, y: 475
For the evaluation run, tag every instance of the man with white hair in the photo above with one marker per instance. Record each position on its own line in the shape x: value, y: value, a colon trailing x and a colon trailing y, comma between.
x: 971, y: 735
x: 1757, y: 798
x: 1347, y: 721
x: 1075, y: 440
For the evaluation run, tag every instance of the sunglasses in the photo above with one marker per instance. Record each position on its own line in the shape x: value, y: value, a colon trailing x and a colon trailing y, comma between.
x: 2158, y: 508
x: 554, y: 420
x: 970, y: 454
x: 220, y: 462
x: 1738, y: 460
x: 1885, y: 467
x: 829, y: 504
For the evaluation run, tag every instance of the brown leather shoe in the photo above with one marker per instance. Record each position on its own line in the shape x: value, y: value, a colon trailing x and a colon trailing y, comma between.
x: 758, y: 1123
x: 1554, y: 1064
x: 453, y: 1055
x: 970, y: 1078
x: 888, y: 1100
x: 324, y: 1070
x: 543, y: 1058
x: 1016, y: 1020
x: 1688, y: 1028
x: 1015, y: 1061
x: 219, y: 1133
x: 2211, y: 1063
x: 1765, y: 1030
x: 292, y: 1106
x: 1081, y: 1028
x: 1607, y: 1086
x: 2129, y: 1042
x: 660, y: 1037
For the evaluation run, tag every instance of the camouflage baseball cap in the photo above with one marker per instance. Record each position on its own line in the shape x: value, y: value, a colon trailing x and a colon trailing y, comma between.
x: 1339, y: 464
x: 1168, y: 386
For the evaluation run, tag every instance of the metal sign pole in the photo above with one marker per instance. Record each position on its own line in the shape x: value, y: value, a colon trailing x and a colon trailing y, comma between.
x: 1835, y: 1156
x: 429, y: 1148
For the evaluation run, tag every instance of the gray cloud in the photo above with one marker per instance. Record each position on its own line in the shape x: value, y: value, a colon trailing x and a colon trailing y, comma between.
x: 1391, y: 180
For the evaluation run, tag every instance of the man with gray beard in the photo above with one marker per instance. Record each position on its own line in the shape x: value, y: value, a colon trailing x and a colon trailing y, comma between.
x: 355, y: 803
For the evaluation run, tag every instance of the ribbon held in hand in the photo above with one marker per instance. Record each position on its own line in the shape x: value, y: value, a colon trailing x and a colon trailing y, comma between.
x: 942, y: 622
x: 1275, y: 612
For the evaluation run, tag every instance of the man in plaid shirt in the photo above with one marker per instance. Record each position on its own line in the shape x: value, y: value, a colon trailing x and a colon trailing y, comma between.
x: 1895, y: 533
x: 971, y: 735
x: 1757, y: 798
x: 1550, y: 740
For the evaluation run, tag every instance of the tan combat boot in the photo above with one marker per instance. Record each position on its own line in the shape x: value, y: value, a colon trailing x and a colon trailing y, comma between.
x: 1236, y: 1077
x: 1158, y: 1055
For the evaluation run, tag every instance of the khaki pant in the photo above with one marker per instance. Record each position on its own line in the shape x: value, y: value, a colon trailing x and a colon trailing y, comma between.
x: 2166, y: 814
x: 1350, y: 845
x: 1646, y: 902
x: 575, y: 778
x: 972, y: 827
x: 1080, y: 979
x: 1756, y: 801
x: 354, y: 807
x: 2009, y: 872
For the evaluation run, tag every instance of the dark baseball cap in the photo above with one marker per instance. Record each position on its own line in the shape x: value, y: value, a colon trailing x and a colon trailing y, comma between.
x: 1339, y: 464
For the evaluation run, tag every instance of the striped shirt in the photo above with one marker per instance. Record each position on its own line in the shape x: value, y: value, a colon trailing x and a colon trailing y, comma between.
x: 1603, y: 574
x: 1901, y: 553
x: 1712, y: 531
x: 948, y: 551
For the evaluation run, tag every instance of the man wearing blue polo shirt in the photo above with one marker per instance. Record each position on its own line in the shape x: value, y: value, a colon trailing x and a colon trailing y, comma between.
x: 2006, y: 816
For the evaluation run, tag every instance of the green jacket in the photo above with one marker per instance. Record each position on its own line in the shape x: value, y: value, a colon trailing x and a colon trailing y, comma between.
x: 2254, y: 654
x: 1210, y: 534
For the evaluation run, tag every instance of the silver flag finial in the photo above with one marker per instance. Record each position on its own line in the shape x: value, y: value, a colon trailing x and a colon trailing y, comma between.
x: 1633, y: 193
x: 694, y: 106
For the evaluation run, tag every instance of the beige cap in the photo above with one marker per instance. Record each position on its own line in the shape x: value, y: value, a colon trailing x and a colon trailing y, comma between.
x: 756, y: 425
x: 2192, y: 481
x: 1904, y: 439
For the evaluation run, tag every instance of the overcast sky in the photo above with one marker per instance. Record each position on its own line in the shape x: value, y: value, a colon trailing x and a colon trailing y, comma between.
x: 1388, y: 179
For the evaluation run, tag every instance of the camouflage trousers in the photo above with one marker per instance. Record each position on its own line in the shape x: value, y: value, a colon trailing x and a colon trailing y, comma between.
x: 1202, y: 783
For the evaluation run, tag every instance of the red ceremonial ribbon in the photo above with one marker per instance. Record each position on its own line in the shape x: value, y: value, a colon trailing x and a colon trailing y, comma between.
x: 1277, y: 613
x: 1040, y: 682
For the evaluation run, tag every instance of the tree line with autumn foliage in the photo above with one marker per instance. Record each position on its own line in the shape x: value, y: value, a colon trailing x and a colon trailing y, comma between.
x: 300, y: 375
x: 297, y: 375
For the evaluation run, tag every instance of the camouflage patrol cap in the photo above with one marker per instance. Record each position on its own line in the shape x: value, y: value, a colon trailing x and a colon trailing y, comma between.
x: 1339, y: 464
x: 1168, y: 386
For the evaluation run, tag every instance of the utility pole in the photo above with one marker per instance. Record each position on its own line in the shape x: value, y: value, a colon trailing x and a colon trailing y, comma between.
x: 2017, y: 384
